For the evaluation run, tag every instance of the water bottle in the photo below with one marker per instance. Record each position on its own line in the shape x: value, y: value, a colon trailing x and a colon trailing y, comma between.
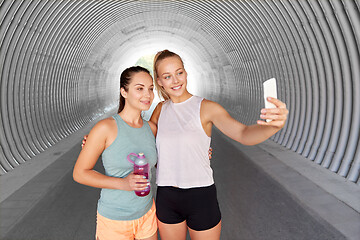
x: 141, y: 167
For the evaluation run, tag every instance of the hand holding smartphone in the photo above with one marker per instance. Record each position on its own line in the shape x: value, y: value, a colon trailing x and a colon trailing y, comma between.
x: 269, y: 91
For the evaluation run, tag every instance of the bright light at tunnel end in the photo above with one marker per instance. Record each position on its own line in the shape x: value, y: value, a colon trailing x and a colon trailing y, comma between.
x: 124, y: 59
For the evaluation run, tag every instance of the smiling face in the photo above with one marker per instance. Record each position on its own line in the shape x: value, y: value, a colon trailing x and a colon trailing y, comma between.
x: 140, y: 93
x: 172, y: 76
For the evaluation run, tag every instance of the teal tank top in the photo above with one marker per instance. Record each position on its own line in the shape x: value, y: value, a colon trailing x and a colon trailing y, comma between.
x: 119, y: 204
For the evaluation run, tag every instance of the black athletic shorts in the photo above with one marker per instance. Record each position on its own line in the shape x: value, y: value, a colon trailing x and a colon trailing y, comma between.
x: 198, y: 206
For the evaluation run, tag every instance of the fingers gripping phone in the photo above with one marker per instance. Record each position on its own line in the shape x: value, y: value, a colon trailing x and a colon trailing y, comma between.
x: 269, y: 91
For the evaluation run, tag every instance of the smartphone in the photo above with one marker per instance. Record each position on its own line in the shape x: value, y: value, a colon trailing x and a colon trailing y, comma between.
x: 269, y: 91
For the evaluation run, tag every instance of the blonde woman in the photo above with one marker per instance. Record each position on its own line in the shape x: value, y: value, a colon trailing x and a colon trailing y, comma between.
x: 186, y: 194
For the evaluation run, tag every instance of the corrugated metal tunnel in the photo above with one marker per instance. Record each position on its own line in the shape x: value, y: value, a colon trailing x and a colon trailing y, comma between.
x: 60, y: 62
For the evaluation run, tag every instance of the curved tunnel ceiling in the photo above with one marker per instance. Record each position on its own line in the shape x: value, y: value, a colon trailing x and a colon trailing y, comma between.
x: 60, y: 63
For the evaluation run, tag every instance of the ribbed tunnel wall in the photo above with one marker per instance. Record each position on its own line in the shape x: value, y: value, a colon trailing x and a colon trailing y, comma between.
x: 60, y: 64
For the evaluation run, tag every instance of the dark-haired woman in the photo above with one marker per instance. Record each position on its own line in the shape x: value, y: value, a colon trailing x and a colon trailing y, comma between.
x: 121, y: 214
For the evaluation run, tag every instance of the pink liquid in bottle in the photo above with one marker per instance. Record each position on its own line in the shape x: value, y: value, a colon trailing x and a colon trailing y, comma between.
x: 141, y: 167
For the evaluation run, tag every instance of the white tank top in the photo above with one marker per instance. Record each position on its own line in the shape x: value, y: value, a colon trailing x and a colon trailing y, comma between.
x: 182, y: 146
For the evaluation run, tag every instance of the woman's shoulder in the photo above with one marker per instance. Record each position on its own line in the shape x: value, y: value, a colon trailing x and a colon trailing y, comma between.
x: 107, y: 121
x: 156, y: 113
x: 161, y: 103
x: 105, y: 125
x: 209, y: 108
x: 208, y: 103
x: 152, y: 125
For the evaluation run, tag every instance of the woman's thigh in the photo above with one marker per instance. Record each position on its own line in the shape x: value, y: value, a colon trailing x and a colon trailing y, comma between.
x: 175, y: 231
x: 210, y: 234
x: 153, y: 237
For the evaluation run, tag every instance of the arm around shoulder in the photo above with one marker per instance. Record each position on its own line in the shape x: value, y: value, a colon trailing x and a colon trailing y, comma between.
x: 153, y: 127
x: 156, y: 113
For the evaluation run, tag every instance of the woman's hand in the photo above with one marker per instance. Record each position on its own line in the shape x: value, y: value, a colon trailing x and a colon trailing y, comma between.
x: 277, y: 115
x: 135, y: 182
x: 84, y: 141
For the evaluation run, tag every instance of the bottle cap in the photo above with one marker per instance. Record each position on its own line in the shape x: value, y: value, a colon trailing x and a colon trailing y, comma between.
x: 141, y: 160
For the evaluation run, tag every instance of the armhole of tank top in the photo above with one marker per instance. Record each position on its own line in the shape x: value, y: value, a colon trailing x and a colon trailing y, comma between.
x: 117, y: 134
x: 201, y: 126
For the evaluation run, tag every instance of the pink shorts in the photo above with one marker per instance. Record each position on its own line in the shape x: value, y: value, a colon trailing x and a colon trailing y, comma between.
x: 144, y: 227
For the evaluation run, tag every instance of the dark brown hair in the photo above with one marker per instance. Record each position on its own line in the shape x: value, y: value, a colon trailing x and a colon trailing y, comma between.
x: 125, y: 79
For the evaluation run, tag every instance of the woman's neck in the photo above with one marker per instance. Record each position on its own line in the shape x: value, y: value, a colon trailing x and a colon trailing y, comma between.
x: 185, y: 96
x: 131, y: 117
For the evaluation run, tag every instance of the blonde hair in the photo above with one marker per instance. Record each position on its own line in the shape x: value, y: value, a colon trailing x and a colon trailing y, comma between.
x: 158, y: 57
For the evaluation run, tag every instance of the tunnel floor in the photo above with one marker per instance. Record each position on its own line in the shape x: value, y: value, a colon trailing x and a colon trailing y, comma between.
x: 253, y: 205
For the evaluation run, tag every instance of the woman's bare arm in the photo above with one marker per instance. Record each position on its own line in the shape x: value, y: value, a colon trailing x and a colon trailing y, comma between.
x: 85, y: 174
x: 214, y: 113
x: 156, y: 113
x: 153, y: 127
